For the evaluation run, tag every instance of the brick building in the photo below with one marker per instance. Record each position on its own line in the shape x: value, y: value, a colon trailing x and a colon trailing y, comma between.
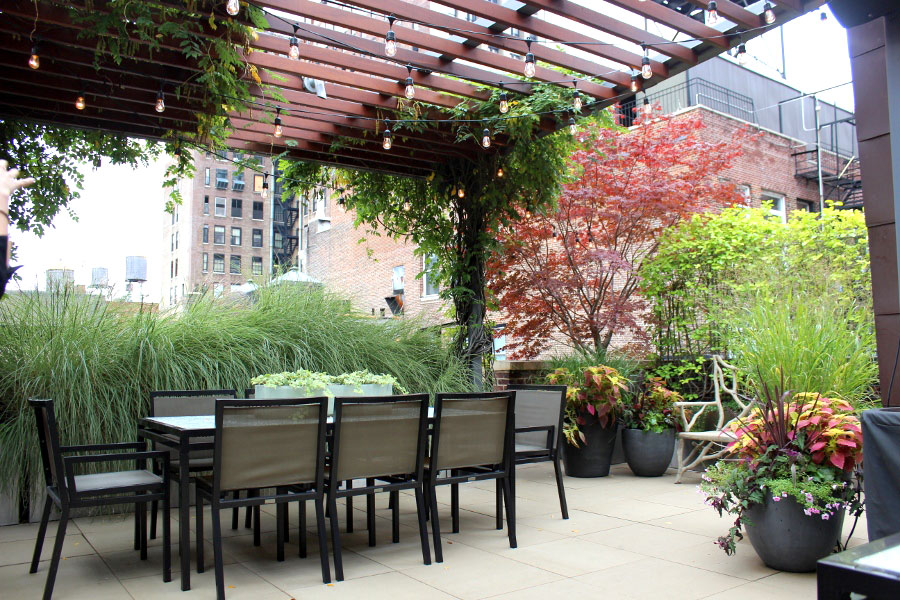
x: 226, y: 232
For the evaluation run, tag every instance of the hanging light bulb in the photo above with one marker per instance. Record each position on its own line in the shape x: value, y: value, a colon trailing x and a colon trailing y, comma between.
x: 279, y: 130
x: 768, y: 14
x: 390, y: 38
x: 97, y: 162
x: 529, y: 61
x: 410, y: 87
x: 500, y: 173
x: 823, y: 16
x: 386, y: 141
x: 576, y: 102
x: 264, y: 193
x: 79, y: 102
x: 634, y: 83
x: 294, y: 50
x: 486, y: 138
x: 742, y: 57
x: 233, y: 7
x: 712, y: 13
x: 573, y: 127
x: 504, y: 101
x: 34, y: 61
x: 460, y: 192
x: 648, y: 108
x: 160, y: 101
x: 646, y: 69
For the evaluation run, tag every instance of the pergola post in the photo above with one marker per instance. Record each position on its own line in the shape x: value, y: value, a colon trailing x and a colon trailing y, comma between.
x: 875, y: 57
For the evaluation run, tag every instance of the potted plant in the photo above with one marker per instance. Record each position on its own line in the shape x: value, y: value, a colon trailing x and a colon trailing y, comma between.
x: 648, y: 438
x: 791, y: 483
x: 304, y: 384
x: 593, y: 402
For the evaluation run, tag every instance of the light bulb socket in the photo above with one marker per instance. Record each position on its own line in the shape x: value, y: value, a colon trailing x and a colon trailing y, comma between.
x: 712, y: 6
x: 768, y: 14
x: 529, y: 58
x: 409, y: 81
x: 390, y: 36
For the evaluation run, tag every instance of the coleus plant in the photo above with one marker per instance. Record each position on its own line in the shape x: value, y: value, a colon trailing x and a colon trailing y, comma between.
x: 654, y: 409
x: 593, y: 396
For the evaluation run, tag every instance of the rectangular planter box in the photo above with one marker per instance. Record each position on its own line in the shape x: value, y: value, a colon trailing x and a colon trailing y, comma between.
x: 263, y: 392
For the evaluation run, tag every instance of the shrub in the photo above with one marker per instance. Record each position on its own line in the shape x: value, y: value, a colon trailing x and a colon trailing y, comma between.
x: 594, y: 394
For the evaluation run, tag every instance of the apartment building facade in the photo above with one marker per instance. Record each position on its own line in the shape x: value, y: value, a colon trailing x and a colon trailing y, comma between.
x: 233, y: 226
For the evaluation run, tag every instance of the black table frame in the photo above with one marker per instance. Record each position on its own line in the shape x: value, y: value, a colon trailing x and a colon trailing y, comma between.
x: 838, y: 575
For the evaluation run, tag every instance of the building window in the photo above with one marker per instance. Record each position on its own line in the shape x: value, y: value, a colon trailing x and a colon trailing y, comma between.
x: 205, y: 205
x: 397, y: 279
x: 205, y: 262
x: 237, y: 208
x: 173, y: 216
x: 278, y: 241
x: 256, y: 265
x: 237, y: 183
x: 235, y: 236
x: 221, y: 179
x: 257, y: 182
x: 220, y: 207
x: 218, y: 289
x: 176, y: 267
x: 176, y: 240
x: 206, y: 234
x: 171, y: 269
x: 257, y: 210
x: 806, y: 205
x: 256, y: 240
x: 278, y: 213
x: 172, y: 243
x: 218, y: 263
x: 430, y: 287
x: 206, y: 178
x: 776, y: 211
x: 744, y: 190
x: 305, y: 208
x: 235, y: 267
x: 219, y: 235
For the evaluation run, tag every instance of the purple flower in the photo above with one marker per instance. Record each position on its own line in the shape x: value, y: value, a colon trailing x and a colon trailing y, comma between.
x: 825, y: 516
x: 776, y: 498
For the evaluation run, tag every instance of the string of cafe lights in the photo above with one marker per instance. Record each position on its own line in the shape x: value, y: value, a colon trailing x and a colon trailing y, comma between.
x: 233, y: 8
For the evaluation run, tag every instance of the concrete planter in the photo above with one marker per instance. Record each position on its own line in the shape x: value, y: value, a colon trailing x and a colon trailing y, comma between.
x: 648, y: 454
x: 263, y: 392
x: 594, y: 456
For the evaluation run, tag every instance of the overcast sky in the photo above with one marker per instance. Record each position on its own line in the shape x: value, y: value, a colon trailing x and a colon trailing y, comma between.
x: 120, y: 212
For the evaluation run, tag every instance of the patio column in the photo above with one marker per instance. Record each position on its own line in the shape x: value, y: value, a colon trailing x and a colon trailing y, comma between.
x: 874, y: 40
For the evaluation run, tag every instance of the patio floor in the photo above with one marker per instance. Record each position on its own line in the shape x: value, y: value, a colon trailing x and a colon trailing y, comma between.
x: 627, y: 538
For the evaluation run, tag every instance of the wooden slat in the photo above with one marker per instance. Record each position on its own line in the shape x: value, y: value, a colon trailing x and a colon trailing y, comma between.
x: 734, y: 13
x: 677, y: 21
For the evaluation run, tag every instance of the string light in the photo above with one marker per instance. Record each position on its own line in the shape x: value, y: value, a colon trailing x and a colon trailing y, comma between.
x: 386, y: 141
x: 410, y: 87
x: 823, y: 16
x: 576, y: 102
x: 648, y: 108
x: 233, y: 7
x: 264, y: 192
x: 79, y: 101
x: 160, y: 101
x: 573, y: 127
x: 634, y: 83
x: 646, y: 69
x: 486, y: 137
x: 504, y: 101
x: 390, y: 38
x: 712, y: 13
x: 768, y: 14
x: 460, y: 192
x: 34, y: 61
x: 294, y: 50
x: 500, y: 172
x: 742, y: 57
x: 529, y: 61
x: 279, y: 130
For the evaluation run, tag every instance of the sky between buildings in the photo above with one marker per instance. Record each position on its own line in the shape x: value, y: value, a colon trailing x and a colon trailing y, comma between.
x: 120, y: 212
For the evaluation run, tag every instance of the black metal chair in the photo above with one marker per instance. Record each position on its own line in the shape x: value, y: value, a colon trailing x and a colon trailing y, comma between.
x: 383, y: 440
x: 472, y: 438
x: 67, y: 490
x: 184, y: 403
x: 540, y: 410
x: 287, y: 437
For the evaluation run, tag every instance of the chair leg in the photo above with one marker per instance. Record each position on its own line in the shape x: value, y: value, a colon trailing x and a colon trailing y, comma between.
x: 560, y: 488
x: 280, y: 512
x: 42, y: 532
x: 679, y: 454
x: 454, y: 504
x: 217, y: 553
x: 335, y: 539
x: 323, y: 543
x: 248, y: 518
x: 301, y: 533
x: 370, y: 512
x: 287, y: 524
x: 137, y: 528
x: 57, y: 551
x: 167, y: 534
x: 435, y: 525
x: 499, y: 504
x: 349, y: 500
x: 235, y: 512
x: 154, y: 507
x: 423, y: 528
x: 256, y: 526
x: 142, y: 507
x: 510, y: 501
x: 395, y: 516
x: 198, y: 507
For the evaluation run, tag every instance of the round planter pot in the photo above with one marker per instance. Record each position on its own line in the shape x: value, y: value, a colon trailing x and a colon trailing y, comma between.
x: 593, y: 457
x: 648, y: 454
x: 788, y: 540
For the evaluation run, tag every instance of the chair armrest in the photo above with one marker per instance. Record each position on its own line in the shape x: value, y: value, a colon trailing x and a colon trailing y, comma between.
x: 548, y: 428
x: 89, y: 458
x: 95, y: 447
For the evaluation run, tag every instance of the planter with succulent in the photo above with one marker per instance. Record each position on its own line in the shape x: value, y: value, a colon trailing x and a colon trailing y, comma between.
x: 648, y: 438
x: 593, y: 403
x: 792, y: 481
x: 303, y: 384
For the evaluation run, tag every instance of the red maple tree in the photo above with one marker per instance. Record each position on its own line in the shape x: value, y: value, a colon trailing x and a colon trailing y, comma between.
x: 572, y: 273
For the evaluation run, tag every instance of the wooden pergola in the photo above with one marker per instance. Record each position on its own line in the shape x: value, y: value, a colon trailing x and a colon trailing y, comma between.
x: 457, y: 50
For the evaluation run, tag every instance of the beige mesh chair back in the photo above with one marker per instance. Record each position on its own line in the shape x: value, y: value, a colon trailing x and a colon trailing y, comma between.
x: 186, y: 403
x: 470, y: 430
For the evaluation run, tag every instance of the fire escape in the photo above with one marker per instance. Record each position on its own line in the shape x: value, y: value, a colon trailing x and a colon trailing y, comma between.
x: 284, y: 219
x: 840, y: 175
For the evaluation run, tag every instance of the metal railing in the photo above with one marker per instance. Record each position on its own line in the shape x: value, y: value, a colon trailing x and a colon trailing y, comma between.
x: 695, y: 92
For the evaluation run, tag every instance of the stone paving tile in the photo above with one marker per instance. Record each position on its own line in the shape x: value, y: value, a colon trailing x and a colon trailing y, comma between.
x: 78, y: 578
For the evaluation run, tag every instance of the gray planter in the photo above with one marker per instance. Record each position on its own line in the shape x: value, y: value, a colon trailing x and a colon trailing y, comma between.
x: 284, y: 391
x: 648, y: 454
x: 788, y: 540
x: 593, y: 457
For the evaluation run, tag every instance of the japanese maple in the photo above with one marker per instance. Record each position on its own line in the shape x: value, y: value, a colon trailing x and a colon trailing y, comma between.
x: 572, y: 271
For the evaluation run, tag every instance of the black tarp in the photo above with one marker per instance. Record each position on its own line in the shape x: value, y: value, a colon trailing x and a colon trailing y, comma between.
x: 881, y: 465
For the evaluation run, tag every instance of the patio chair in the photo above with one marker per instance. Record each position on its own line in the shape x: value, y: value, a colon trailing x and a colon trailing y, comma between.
x: 539, y: 420
x: 383, y: 440
x: 67, y: 490
x: 472, y: 438
x: 286, y: 464
x: 184, y: 403
x: 709, y: 444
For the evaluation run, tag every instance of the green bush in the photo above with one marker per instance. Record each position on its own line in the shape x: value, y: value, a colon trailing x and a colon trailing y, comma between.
x: 99, y: 364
